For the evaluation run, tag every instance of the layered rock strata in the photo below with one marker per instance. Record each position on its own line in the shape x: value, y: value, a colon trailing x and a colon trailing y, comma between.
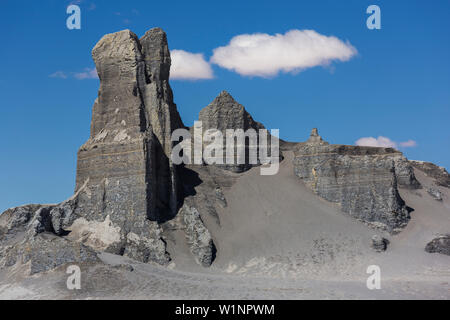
x: 439, y: 244
x: 126, y: 183
x: 125, y: 165
x: 225, y: 113
x: 439, y: 174
x: 362, y: 180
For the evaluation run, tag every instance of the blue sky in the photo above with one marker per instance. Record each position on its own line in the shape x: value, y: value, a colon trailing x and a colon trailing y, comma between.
x: 396, y: 86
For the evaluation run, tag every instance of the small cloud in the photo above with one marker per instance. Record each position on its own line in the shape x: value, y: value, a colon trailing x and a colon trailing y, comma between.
x: 189, y: 66
x: 265, y: 55
x: 92, y: 6
x: 126, y: 21
x: 136, y: 12
x: 87, y: 74
x: 384, y: 142
x: 58, y: 74
x: 408, y: 144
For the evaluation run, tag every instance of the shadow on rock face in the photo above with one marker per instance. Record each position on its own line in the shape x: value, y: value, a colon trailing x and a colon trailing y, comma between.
x: 191, y: 179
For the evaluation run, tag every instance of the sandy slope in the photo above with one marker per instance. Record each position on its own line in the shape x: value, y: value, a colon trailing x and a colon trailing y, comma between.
x: 276, y: 240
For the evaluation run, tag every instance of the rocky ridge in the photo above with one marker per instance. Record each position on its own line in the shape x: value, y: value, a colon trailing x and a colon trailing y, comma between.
x: 362, y: 180
x: 126, y: 183
x: 439, y: 174
x: 224, y: 113
x: 131, y: 200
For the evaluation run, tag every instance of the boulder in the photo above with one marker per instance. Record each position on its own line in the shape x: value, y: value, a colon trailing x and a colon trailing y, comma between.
x: 440, y: 245
x: 435, y: 193
x: 46, y: 251
x: 379, y: 243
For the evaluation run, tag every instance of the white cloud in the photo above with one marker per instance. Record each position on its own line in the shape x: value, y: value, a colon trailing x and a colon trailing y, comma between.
x: 384, y: 142
x: 86, y: 74
x: 408, y: 144
x: 58, y: 74
x: 376, y: 142
x: 189, y: 66
x: 265, y: 55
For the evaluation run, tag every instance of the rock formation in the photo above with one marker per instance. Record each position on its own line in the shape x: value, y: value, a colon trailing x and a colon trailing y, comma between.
x: 314, y: 137
x: 131, y: 200
x: 435, y: 193
x: 28, y: 235
x: 440, y: 245
x: 125, y: 167
x: 441, y: 176
x: 379, y: 244
x: 362, y: 180
x: 126, y: 183
x: 198, y: 237
x: 225, y: 113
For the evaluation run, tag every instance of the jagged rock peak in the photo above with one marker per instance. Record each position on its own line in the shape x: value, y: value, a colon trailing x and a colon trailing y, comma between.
x: 157, y: 56
x: 225, y: 95
x: 117, y: 44
x: 125, y: 166
x: 315, y: 137
x: 226, y: 113
x: 439, y: 174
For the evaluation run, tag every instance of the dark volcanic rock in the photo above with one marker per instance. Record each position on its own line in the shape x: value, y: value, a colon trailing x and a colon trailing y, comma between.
x: 361, y: 179
x: 441, y: 176
x: 440, y: 244
x: 379, y: 243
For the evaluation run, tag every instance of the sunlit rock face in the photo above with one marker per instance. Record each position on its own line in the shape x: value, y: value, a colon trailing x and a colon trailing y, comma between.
x: 125, y: 166
x: 362, y: 180
x: 127, y: 187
